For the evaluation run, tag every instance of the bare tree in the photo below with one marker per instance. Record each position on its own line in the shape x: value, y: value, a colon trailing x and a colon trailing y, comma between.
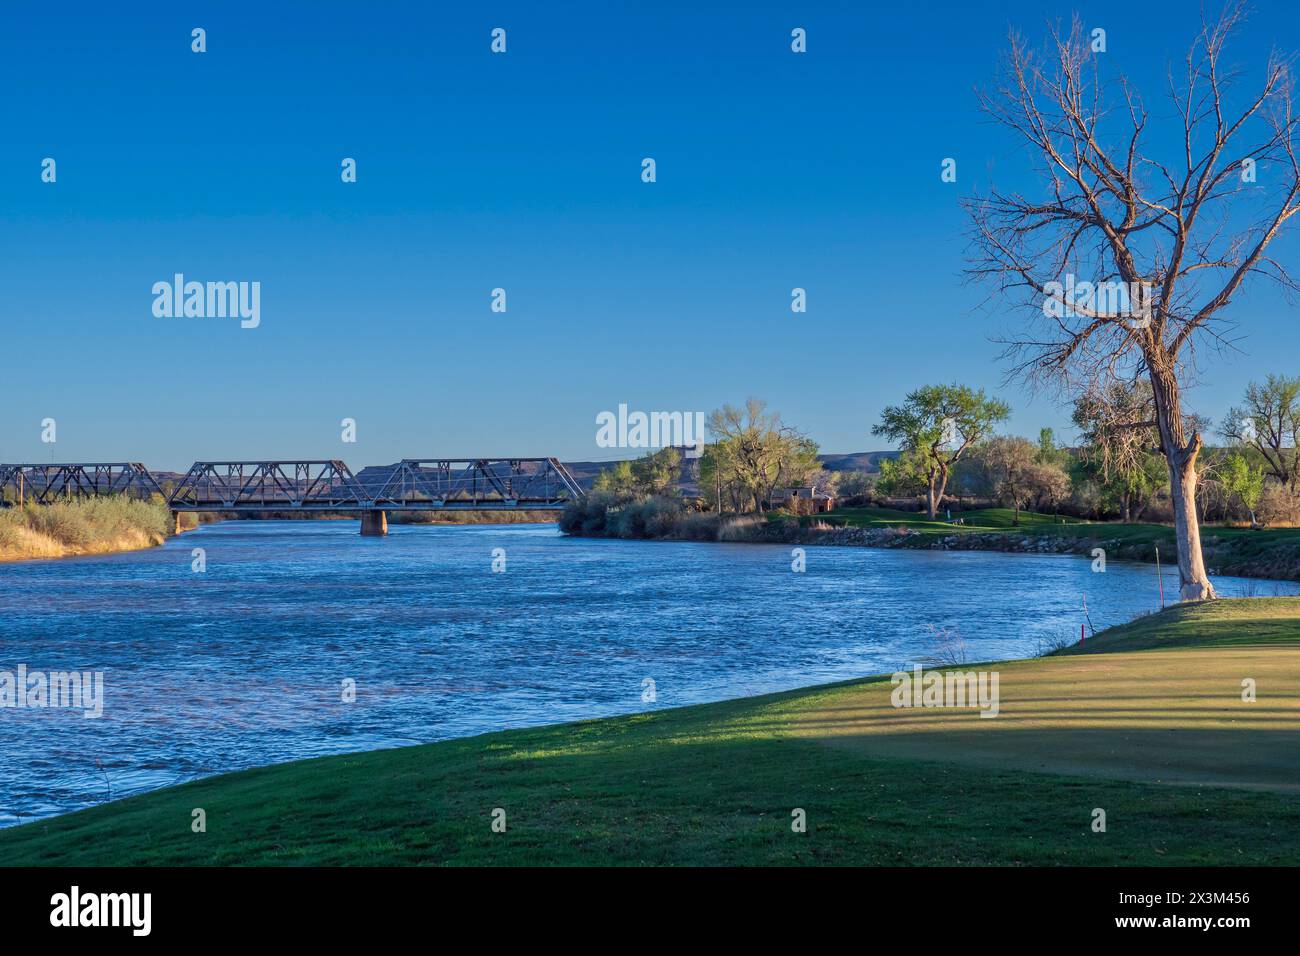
x: 1117, y: 424
x: 1007, y: 467
x: 1169, y: 242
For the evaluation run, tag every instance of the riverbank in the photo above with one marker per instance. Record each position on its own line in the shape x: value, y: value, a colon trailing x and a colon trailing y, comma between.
x: 1145, y: 722
x: 1239, y: 552
x: 82, y: 527
x: 1234, y: 551
x: 110, y: 525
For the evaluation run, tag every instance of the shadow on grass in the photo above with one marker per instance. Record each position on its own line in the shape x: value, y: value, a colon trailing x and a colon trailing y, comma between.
x: 668, y: 791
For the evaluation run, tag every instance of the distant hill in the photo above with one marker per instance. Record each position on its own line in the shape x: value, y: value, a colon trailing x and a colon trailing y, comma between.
x: 856, y: 461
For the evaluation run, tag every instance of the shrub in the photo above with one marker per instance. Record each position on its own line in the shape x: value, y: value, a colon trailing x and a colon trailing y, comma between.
x: 601, y: 515
x: 591, y: 516
x: 84, y: 523
x: 698, y: 526
x: 65, y: 523
x: 1278, y: 505
x: 741, y: 528
x: 10, y: 536
x: 661, y: 517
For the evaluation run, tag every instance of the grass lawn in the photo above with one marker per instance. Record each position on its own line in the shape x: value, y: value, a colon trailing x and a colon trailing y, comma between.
x: 982, y: 519
x: 1145, y: 722
x: 1270, y: 552
x: 999, y: 520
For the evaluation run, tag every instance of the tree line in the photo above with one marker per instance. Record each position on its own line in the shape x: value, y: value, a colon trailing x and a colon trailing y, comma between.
x: 949, y: 448
x: 1117, y: 468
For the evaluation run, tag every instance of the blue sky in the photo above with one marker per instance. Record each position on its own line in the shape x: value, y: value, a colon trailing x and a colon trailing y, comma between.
x: 519, y: 171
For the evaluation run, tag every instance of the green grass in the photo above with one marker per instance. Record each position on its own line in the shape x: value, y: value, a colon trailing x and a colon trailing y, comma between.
x: 1265, y: 553
x: 716, y: 784
x: 982, y: 519
x: 1273, y: 623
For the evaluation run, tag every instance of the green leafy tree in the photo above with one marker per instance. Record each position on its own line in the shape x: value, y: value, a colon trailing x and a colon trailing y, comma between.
x: 1269, y: 422
x: 1239, y: 478
x: 658, y: 473
x: 753, y: 453
x: 903, y: 476
x: 617, y: 480
x: 1050, y: 451
x: 655, y: 474
x: 936, y: 425
x: 716, y: 483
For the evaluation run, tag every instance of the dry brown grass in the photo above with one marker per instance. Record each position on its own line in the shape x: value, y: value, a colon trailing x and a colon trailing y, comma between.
x: 93, y: 526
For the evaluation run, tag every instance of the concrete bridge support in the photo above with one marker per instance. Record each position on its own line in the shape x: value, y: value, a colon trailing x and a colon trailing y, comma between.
x: 176, y: 527
x: 374, y: 523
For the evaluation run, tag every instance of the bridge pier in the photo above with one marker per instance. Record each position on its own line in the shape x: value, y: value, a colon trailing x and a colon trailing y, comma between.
x: 176, y: 526
x: 374, y: 523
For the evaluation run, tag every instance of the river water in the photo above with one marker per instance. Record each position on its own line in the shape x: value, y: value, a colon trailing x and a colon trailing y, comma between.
x: 245, y: 663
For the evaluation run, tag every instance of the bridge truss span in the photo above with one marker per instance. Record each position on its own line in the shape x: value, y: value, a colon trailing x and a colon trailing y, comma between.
x: 45, y: 483
x: 476, y: 484
x: 324, y: 485
x: 320, y: 486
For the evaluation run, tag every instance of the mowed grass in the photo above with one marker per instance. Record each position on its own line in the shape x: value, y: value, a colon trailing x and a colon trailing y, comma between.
x: 976, y: 521
x: 1157, y: 700
x: 982, y: 519
x: 1154, y: 704
x: 1271, y: 625
x: 1268, y: 552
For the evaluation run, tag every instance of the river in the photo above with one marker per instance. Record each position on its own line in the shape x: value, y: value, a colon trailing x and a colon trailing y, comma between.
x: 244, y: 663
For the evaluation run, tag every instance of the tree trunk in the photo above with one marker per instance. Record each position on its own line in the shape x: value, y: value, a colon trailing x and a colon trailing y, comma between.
x: 1194, y: 584
x: 931, y: 502
x: 936, y: 496
x: 1180, y: 455
x: 1127, y: 499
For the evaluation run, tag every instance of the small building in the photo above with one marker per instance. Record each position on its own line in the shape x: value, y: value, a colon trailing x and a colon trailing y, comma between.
x: 801, y: 501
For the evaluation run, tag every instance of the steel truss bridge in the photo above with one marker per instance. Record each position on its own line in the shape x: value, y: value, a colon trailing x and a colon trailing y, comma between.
x: 42, y: 484
x: 327, y: 485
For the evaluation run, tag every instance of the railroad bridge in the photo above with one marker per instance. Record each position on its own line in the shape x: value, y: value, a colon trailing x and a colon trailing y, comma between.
x: 319, y: 486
